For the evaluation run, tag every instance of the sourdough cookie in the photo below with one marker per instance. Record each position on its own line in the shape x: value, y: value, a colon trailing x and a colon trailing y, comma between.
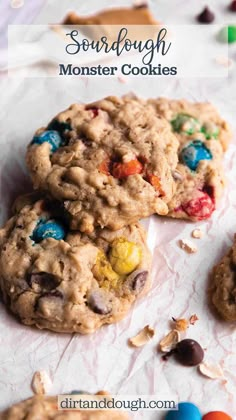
x: 109, y: 163
x: 68, y: 281
x: 139, y: 15
x: 203, y: 136
x: 42, y: 407
x: 223, y: 290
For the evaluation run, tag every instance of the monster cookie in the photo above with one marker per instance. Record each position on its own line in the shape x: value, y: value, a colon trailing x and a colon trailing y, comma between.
x: 67, y: 281
x: 223, y: 290
x: 108, y: 163
x: 203, y: 136
x: 41, y: 407
x: 139, y: 15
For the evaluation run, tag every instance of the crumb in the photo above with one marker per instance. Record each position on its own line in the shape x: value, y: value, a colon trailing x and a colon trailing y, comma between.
x: 41, y: 383
x: 187, y: 246
x: 169, y: 342
x: 197, y: 233
x: 210, y: 371
x: 181, y: 324
x: 142, y: 337
x: 193, y: 319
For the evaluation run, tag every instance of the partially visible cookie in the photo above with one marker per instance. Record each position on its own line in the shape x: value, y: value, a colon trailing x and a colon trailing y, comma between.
x: 139, y: 15
x: 223, y: 289
x: 109, y: 163
x: 66, y: 281
x: 41, y: 407
x: 203, y: 135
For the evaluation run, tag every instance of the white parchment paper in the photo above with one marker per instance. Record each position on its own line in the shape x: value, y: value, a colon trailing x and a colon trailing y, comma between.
x: 179, y: 281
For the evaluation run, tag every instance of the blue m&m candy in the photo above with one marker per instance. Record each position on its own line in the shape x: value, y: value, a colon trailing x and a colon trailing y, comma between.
x: 48, y: 229
x: 192, y: 154
x: 186, y: 411
x: 50, y: 136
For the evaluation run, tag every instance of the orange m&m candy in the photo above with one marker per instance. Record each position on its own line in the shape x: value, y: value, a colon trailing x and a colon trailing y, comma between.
x: 217, y: 415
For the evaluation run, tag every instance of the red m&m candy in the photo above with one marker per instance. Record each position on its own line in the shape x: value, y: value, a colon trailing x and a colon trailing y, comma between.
x: 217, y: 415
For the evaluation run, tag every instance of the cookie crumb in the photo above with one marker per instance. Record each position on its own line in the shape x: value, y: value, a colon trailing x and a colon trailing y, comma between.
x: 197, y: 233
x: 187, y: 246
x: 142, y: 337
x: 193, y: 319
x: 210, y: 371
x: 181, y: 324
x: 41, y: 383
x: 169, y: 342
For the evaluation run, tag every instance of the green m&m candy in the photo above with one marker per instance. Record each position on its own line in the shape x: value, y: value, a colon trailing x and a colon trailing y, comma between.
x: 228, y: 34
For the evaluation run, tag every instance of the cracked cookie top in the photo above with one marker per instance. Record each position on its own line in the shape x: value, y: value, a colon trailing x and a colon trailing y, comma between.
x: 67, y: 281
x: 109, y: 163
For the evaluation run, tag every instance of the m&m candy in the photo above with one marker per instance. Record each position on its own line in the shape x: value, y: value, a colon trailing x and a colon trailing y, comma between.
x: 217, y: 415
x: 186, y: 411
x: 48, y: 229
x: 193, y: 153
x: 50, y: 136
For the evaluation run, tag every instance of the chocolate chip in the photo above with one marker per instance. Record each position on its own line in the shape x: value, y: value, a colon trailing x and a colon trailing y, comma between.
x: 233, y: 266
x: 43, y: 281
x: 189, y: 353
x: 49, y: 302
x: 232, y: 6
x: 55, y: 294
x: 206, y: 16
x: 138, y: 280
x: 98, y: 302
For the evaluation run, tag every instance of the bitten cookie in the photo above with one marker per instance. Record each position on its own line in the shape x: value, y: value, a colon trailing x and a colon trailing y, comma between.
x: 203, y: 136
x: 66, y: 281
x: 41, y: 407
x: 109, y: 163
x: 223, y: 290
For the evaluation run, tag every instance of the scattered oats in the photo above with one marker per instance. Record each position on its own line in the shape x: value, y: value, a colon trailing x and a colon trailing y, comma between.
x: 142, y: 337
x: 187, y: 246
x: 197, y: 233
x: 169, y: 342
x: 41, y: 383
x: 177, y: 175
x: 224, y: 61
x: 15, y: 4
x: 181, y: 324
x: 193, y: 318
x: 211, y: 371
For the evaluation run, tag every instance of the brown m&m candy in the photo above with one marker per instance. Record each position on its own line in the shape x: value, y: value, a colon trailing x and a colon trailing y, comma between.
x: 188, y: 352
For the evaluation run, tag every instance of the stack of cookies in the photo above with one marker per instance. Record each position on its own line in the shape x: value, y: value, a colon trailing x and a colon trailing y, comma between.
x: 74, y: 256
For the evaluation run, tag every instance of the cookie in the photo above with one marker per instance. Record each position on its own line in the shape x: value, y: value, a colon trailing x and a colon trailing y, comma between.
x: 139, y: 15
x: 109, y: 163
x: 67, y: 281
x: 223, y: 290
x: 203, y: 136
x: 42, y: 407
